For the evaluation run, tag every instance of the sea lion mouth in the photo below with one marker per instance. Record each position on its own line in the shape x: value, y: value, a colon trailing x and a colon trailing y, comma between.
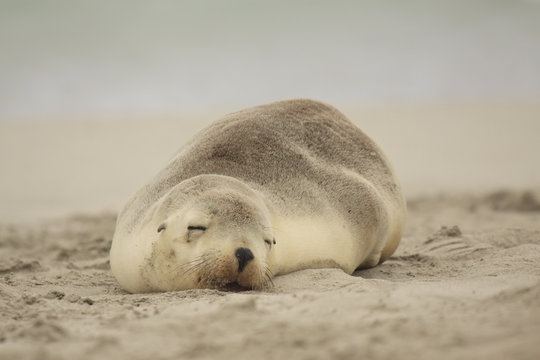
x: 232, y: 286
x: 235, y: 287
x: 222, y: 284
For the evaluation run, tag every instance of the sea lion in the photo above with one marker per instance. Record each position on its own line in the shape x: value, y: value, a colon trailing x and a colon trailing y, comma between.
x: 265, y: 191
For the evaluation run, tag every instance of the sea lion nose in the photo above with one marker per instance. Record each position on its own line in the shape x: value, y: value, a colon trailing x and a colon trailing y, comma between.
x: 244, y: 256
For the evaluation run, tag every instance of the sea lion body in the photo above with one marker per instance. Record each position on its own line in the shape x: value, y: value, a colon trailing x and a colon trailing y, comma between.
x: 262, y: 192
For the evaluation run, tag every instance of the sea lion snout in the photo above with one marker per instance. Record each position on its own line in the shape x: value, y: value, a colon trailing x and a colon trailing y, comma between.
x: 244, y: 256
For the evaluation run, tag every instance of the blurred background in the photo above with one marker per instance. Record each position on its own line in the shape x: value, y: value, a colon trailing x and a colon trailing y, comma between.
x: 96, y: 96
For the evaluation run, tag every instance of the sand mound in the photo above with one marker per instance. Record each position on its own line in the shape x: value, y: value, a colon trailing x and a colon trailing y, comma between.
x: 513, y: 201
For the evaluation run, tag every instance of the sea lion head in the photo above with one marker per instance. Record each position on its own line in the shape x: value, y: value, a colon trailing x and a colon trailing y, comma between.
x: 213, y: 232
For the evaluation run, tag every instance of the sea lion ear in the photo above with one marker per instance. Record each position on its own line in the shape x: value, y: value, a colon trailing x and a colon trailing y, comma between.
x: 274, y: 241
x: 162, y: 227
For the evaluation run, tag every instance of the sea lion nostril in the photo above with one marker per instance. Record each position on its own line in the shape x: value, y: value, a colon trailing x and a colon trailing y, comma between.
x: 244, y: 256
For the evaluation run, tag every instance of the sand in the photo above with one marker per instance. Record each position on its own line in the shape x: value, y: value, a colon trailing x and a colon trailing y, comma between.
x: 464, y: 282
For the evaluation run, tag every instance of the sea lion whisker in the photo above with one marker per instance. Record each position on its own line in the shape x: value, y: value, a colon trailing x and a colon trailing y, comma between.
x: 195, y: 262
x: 268, y: 274
x: 196, y: 267
x: 193, y: 269
x: 186, y: 264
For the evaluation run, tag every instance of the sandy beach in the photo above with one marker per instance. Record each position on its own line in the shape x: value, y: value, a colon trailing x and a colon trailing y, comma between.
x: 463, y: 284
x: 96, y: 97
